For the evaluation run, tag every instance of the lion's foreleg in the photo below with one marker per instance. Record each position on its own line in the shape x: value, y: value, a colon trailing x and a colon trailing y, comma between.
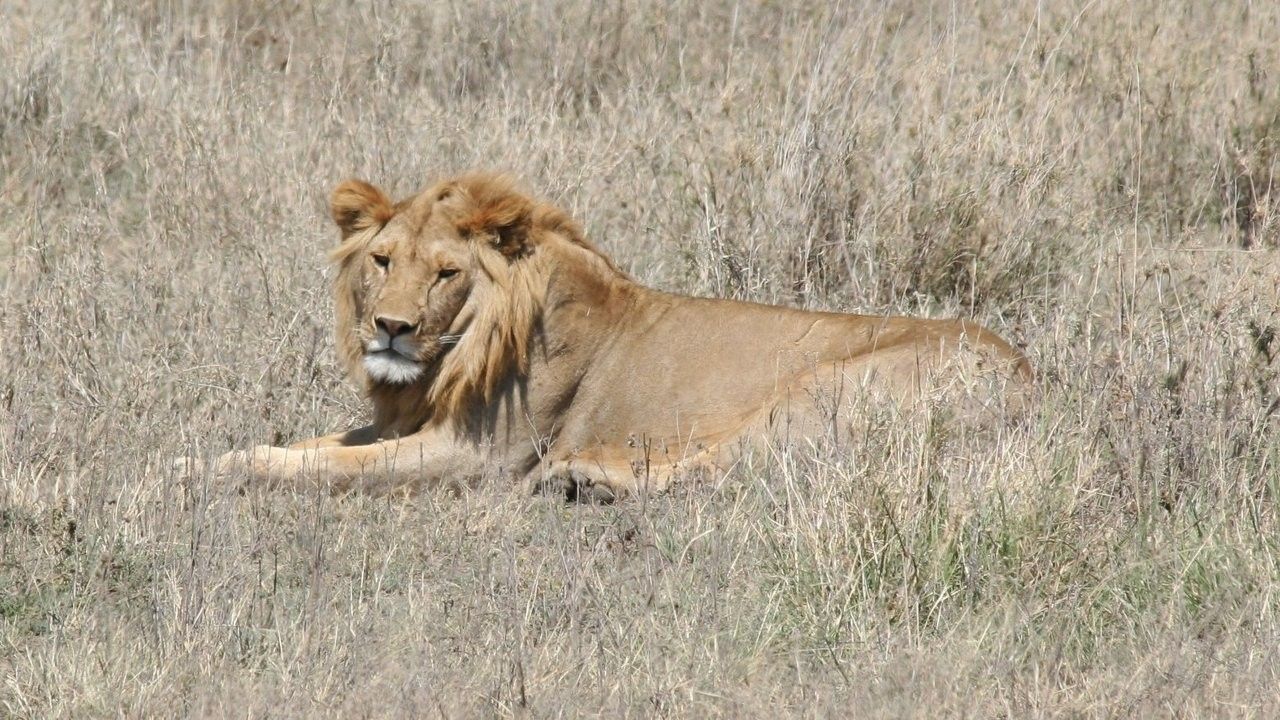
x: 406, y: 464
x: 357, y: 436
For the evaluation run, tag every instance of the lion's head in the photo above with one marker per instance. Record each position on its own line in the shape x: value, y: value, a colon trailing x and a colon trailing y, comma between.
x: 437, y: 295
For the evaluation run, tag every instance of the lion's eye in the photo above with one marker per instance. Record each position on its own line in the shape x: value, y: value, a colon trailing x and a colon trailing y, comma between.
x: 381, y: 260
x: 446, y: 273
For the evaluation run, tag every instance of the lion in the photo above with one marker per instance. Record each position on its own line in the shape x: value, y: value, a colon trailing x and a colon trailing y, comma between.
x: 490, y: 334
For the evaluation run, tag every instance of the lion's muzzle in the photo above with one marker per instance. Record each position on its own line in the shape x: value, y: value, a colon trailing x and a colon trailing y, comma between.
x: 390, y: 356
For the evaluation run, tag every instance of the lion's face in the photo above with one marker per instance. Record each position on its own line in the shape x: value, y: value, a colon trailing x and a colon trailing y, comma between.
x: 416, y: 282
x: 439, y: 292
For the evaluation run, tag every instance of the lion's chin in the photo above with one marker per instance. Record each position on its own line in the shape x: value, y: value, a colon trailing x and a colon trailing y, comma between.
x: 389, y: 366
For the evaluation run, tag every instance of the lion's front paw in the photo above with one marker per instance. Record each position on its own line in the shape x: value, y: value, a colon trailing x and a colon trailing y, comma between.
x: 258, y: 464
x: 238, y: 467
x: 576, y: 486
x: 186, y: 468
x: 237, y: 464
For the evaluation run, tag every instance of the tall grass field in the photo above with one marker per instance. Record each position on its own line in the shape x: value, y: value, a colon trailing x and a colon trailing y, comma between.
x: 1098, y: 182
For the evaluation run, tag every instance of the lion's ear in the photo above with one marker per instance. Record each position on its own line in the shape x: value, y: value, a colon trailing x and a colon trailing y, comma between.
x: 505, y: 221
x: 356, y: 205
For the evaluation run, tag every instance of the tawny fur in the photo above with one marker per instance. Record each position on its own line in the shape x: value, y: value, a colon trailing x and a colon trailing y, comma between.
x: 567, y: 370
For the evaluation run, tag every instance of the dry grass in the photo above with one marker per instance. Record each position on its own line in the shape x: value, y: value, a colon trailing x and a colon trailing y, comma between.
x: 1097, y: 182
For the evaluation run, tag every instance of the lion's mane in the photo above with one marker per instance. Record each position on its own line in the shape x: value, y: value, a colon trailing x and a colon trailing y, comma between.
x: 505, y: 228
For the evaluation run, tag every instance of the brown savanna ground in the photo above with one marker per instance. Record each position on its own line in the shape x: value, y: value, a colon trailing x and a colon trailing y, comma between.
x: 1096, y: 181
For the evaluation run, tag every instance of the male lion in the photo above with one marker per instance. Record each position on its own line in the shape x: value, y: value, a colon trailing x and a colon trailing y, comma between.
x: 490, y: 333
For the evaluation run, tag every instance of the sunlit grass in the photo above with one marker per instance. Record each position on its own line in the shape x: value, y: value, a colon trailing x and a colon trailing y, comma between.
x: 1096, y: 183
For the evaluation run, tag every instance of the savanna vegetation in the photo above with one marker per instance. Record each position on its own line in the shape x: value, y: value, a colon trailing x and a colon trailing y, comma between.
x: 1095, y: 181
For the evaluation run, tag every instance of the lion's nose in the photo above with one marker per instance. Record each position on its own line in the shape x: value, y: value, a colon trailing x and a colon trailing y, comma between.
x: 393, y: 326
